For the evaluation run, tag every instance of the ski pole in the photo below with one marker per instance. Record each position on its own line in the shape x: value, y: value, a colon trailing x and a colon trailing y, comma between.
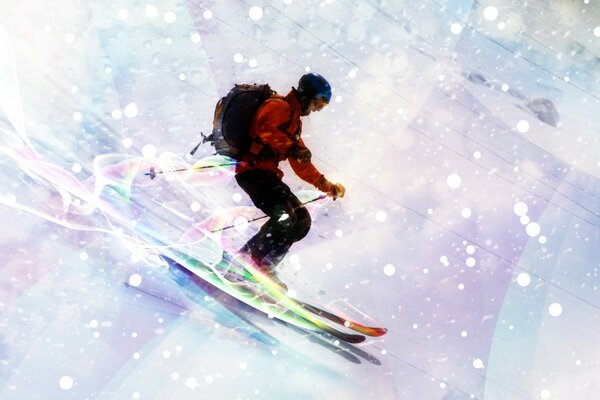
x: 321, y: 197
x: 152, y: 173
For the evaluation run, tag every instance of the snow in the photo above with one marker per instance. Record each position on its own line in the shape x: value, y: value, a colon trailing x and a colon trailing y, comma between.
x: 533, y: 229
x: 523, y: 279
x: 381, y: 216
x: 389, y: 269
x: 520, y: 208
x: 454, y: 181
x: 241, y: 224
x: 191, y: 382
x: 255, y: 13
x: 123, y: 14
x: 238, y: 58
x: 116, y: 114
x: 69, y: 38
x: 149, y: 150
x: 523, y: 126
x: 555, y: 309
x: 294, y: 258
x: 456, y: 28
x: 490, y: 13
x: 135, y: 280
x: 66, y: 382
x: 170, y: 17
x: 466, y: 134
x: 130, y: 110
x: 237, y: 197
x: 151, y: 10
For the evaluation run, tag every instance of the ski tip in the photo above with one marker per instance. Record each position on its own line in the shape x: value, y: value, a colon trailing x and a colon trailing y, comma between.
x: 380, y: 332
x: 355, y: 339
x: 343, y: 336
x: 374, y: 332
x: 368, y: 330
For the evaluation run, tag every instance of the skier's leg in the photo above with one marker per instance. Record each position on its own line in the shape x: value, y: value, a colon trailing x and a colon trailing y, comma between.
x: 261, y: 186
x: 303, y: 222
x: 294, y: 232
x: 283, y: 234
x: 274, y: 198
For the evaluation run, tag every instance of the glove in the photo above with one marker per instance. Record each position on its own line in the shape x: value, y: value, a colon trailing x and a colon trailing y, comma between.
x: 334, y: 190
x: 301, y: 154
x: 338, y: 190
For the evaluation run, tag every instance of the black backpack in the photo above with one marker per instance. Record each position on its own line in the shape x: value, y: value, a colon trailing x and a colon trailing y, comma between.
x: 233, y: 116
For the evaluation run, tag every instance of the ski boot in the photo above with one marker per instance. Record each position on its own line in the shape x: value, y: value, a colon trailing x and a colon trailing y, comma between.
x: 265, y: 266
x: 271, y: 272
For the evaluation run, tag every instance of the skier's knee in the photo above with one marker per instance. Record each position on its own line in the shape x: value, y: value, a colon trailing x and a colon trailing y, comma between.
x: 303, y: 222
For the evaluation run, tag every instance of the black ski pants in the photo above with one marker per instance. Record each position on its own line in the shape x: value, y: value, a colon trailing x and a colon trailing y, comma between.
x: 274, y: 198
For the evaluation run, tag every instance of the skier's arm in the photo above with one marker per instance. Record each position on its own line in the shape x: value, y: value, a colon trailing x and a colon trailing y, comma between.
x: 309, y: 173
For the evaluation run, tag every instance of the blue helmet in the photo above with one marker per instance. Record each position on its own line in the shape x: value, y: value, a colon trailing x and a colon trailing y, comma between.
x: 313, y: 86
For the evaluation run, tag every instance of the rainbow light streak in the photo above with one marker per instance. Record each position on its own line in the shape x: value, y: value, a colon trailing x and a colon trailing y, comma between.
x: 118, y: 174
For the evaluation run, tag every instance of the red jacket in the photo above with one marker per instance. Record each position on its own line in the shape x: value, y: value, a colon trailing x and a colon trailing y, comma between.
x: 277, y: 127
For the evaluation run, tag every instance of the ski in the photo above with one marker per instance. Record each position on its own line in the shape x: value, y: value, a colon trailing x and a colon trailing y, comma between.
x: 353, y: 325
x: 240, y: 276
x: 346, y: 337
x: 256, y: 294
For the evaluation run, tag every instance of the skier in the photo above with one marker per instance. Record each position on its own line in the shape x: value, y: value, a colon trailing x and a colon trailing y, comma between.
x: 275, y: 136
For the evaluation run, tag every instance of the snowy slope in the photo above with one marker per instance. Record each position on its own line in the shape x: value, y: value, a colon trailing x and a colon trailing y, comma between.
x: 465, y: 132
